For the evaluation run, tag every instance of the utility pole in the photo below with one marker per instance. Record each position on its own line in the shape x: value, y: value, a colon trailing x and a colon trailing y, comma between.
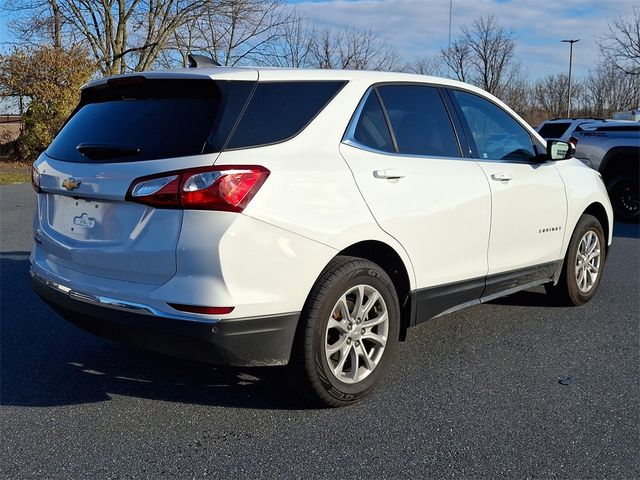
x: 449, y: 44
x: 450, y: 14
x: 570, y: 42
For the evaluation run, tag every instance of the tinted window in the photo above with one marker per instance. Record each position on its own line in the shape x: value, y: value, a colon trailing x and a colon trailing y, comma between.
x: 280, y: 110
x: 619, y: 128
x: 553, y: 130
x: 496, y: 134
x: 139, y: 119
x: 372, y: 130
x: 419, y: 120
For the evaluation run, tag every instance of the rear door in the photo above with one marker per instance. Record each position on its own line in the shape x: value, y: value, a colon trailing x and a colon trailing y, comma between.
x: 529, y: 205
x: 124, y: 129
x: 405, y: 157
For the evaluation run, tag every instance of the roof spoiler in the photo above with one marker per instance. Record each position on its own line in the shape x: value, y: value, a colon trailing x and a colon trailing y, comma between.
x: 199, y: 61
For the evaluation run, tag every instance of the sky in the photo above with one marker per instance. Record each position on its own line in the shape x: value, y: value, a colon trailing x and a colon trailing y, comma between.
x: 420, y: 27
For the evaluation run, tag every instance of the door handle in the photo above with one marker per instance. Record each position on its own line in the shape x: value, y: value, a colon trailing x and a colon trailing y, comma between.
x: 501, y: 177
x: 389, y: 174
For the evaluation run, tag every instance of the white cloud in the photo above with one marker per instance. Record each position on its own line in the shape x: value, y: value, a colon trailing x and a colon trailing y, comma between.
x: 420, y: 27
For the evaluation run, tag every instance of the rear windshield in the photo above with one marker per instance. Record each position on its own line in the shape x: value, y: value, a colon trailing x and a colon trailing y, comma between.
x: 554, y: 130
x: 280, y: 110
x: 135, y: 119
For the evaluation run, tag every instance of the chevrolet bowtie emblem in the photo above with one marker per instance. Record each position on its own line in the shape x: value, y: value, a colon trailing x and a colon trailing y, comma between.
x: 71, y: 183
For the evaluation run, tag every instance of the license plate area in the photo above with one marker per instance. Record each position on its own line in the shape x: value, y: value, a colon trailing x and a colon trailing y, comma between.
x: 88, y: 220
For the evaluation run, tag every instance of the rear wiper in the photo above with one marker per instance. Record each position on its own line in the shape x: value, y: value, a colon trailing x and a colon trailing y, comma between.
x: 102, y: 151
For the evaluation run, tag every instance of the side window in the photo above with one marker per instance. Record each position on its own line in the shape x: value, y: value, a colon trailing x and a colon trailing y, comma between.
x: 496, y: 134
x: 280, y: 110
x: 371, y: 130
x: 554, y: 130
x: 419, y: 120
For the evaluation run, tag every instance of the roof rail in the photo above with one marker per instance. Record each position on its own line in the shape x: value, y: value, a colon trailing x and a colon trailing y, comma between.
x: 578, y: 118
x: 199, y: 61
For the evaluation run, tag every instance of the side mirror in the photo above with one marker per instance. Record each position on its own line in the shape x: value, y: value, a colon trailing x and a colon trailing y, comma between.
x: 558, y: 150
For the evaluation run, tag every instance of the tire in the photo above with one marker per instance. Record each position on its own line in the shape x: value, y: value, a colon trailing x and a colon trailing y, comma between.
x: 577, y: 284
x: 624, y: 194
x: 331, y: 379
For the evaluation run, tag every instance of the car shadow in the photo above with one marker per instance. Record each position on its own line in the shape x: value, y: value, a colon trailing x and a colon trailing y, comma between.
x: 627, y: 230
x: 527, y: 298
x: 44, y: 361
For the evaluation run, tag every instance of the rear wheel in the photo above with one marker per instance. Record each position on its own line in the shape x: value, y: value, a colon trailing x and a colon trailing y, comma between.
x: 624, y: 194
x: 348, y: 333
x: 583, y: 264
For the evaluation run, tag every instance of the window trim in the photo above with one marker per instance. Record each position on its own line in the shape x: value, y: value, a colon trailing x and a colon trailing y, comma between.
x: 473, y: 149
x: 348, y: 138
x: 349, y: 135
x: 387, y: 120
x: 311, y: 120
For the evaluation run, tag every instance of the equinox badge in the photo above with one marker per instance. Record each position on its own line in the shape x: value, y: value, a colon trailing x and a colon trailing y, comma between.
x: 71, y: 183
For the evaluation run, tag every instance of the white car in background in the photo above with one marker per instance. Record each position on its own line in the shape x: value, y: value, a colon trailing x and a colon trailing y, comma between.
x: 254, y: 216
x: 563, y: 128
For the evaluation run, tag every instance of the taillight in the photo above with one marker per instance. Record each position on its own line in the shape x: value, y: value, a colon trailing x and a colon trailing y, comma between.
x: 228, y: 188
x: 35, y: 179
x: 573, y: 141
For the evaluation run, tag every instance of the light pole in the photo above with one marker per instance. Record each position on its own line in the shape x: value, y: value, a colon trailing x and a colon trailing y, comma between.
x: 570, y: 42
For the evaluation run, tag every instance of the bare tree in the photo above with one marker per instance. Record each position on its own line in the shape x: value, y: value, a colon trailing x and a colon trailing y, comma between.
x: 621, y: 47
x: 608, y: 89
x: 237, y: 32
x: 293, y: 46
x: 518, y: 95
x: 35, y: 22
x: 458, y: 59
x: 127, y: 34
x: 352, y: 49
x: 425, y: 66
x: 121, y: 35
x: 492, y: 58
x: 483, y: 55
x: 551, y: 93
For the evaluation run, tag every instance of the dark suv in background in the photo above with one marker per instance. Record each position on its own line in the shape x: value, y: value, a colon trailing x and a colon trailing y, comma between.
x: 613, y: 148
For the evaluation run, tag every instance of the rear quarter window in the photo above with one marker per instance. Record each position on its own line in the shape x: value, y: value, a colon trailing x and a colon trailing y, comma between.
x: 371, y: 130
x: 278, y: 111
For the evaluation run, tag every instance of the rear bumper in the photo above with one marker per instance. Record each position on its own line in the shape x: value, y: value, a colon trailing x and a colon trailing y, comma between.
x: 255, y: 341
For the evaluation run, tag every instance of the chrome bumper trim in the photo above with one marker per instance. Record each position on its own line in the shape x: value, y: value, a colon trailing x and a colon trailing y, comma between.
x: 114, y: 303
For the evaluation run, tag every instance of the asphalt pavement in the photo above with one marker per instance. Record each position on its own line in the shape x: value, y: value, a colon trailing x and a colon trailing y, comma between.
x: 517, y: 388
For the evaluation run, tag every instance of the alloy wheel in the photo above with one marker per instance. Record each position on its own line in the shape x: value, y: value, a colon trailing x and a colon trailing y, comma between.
x: 356, y: 334
x: 588, y: 261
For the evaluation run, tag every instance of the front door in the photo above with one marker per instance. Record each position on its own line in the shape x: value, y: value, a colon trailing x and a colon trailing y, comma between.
x: 529, y: 206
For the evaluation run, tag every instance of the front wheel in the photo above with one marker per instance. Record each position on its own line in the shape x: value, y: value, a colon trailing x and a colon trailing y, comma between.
x: 583, y: 264
x: 348, y: 332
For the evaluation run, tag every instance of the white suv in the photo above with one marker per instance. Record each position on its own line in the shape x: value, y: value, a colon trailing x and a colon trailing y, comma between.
x: 250, y: 216
x: 563, y: 128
